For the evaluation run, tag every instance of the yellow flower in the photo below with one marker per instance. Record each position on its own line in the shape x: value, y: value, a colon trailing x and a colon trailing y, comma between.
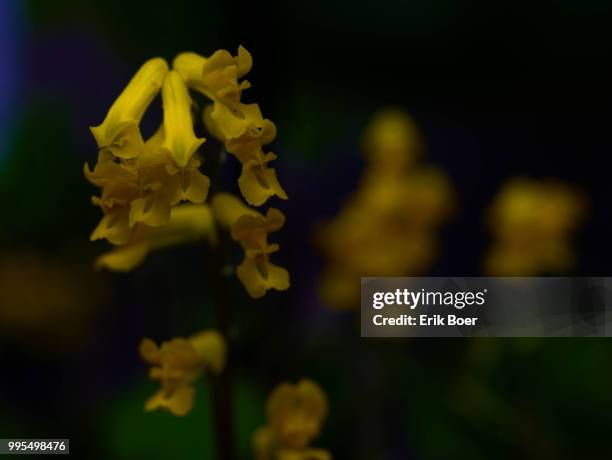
x: 257, y: 274
x: 250, y: 228
x: 240, y: 126
x: 188, y: 223
x: 388, y: 226
x: 391, y: 140
x: 177, y: 364
x: 216, y: 76
x: 244, y: 137
x: 295, y: 413
x: 48, y: 302
x: 532, y: 223
x: 163, y: 184
x: 258, y: 182
x: 179, y: 139
x: 119, y: 188
x: 119, y: 133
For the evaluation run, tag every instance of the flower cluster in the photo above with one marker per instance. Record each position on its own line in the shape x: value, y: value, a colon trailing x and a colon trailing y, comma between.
x: 153, y: 192
x: 532, y: 223
x: 295, y: 413
x: 177, y: 364
x: 387, y: 227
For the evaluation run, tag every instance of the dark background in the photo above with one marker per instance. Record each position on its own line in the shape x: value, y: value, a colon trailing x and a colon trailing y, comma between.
x: 498, y: 90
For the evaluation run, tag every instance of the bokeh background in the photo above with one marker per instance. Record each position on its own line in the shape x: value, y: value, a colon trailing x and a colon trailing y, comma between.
x: 498, y: 90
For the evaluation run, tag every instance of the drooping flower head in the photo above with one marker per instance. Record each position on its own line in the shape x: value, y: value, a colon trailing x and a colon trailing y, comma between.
x: 142, y: 181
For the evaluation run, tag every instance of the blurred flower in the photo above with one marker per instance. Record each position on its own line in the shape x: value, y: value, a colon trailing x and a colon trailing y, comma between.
x: 47, y: 301
x: 188, y: 223
x: 388, y: 226
x: 250, y: 228
x: 532, y: 223
x: 177, y: 364
x: 391, y: 140
x: 295, y: 413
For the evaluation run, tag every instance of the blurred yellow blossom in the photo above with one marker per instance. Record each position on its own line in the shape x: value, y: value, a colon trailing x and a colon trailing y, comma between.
x: 532, y: 223
x: 250, y: 228
x: 391, y: 141
x: 388, y: 226
x: 295, y: 413
x: 177, y: 364
x: 48, y: 302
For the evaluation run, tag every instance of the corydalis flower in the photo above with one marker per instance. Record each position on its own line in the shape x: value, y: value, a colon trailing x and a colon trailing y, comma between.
x: 387, y: 227
x: 180, y: 141
x: 245, y: 137
x: 177, y: 364
x: 188, y: 223
x: 216, y: 76
x: 241, y: 127
x: 295, y: 413
x: 142, y: 181
x: 120, y: 187
x: 119, y: 133
x: 251, y: 229
x: 163, y: 184
x: 532, y: 223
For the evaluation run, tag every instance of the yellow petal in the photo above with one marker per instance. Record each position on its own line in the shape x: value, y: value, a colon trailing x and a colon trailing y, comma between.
x: 149, y: 351
x: 264, y: 443
x: 153, y: 210
x: 189, y: 185
x: 189, y: 65
x: 228, y: 208
x: 216, y: 76
x: 179, y: 403
x: 188, y: 223
x: 314, y: 401
x: 180, y: 140
x: 114, y: 226
x: 259, y: 276
x: 244, y: 61
x: 257, y: 183
x: 245, y: 121
x: 392, y: 140
x: 119, y: 132
x: 254, y: 229
x: 211, y: 348
x: 123, y: 258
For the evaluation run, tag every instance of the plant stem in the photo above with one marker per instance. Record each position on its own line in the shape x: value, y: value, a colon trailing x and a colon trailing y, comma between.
x: 222, y: 384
